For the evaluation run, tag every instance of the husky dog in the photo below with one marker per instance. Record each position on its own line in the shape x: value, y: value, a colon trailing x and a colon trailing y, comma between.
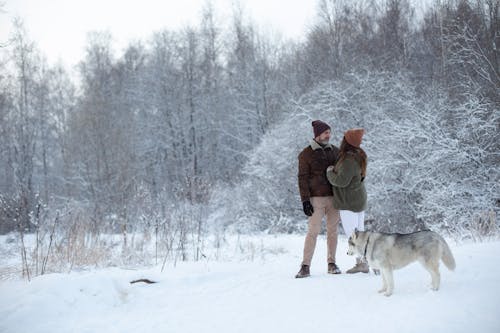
x: 393, y: 251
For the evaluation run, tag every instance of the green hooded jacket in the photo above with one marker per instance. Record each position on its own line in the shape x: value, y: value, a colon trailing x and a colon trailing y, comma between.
x: 349, y: 191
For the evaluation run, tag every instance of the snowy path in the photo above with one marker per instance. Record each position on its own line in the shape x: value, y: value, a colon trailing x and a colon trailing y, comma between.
x: 260, y: 296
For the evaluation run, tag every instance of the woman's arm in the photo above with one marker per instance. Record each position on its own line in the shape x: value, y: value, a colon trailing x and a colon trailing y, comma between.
x: 343, y: 176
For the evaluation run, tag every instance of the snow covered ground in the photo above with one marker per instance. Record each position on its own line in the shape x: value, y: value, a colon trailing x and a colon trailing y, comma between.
x: 260, y: 295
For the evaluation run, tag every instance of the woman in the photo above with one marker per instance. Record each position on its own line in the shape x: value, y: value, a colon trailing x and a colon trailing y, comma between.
x: 349, y: 193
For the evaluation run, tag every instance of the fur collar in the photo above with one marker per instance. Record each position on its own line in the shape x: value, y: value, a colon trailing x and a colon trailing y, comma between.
x: 316, y: 146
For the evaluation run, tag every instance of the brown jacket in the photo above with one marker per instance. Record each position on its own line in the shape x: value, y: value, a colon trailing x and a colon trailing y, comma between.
x: 313, y: 161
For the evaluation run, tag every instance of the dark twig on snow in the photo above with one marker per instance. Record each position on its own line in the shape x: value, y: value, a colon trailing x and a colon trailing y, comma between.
x: 143, y: 280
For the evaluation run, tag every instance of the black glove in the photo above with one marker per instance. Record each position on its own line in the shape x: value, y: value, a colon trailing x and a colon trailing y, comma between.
x: 308, y: 208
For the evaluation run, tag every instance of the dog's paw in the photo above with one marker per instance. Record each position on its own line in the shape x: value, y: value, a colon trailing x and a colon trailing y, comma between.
x: 382, y: 290
x: 388, y: 293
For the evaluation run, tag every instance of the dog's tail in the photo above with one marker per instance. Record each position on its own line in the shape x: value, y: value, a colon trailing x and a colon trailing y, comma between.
x: 447, y: 256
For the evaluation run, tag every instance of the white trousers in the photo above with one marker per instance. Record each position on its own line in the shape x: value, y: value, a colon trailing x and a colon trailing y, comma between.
x: 351, y: 220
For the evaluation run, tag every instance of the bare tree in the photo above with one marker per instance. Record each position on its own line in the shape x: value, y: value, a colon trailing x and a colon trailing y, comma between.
x: 24, y: 121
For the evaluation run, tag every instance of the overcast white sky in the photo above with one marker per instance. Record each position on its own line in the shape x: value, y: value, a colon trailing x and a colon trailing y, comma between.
x: 59, y: 27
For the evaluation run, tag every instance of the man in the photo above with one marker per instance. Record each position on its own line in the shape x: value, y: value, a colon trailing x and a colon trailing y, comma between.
x: 317, y: 196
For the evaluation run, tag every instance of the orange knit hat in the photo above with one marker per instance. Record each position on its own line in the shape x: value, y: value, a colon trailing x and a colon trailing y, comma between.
x: 354, y: 136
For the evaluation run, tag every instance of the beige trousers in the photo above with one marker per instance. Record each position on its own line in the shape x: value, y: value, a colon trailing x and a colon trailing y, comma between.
x: 323, y: 206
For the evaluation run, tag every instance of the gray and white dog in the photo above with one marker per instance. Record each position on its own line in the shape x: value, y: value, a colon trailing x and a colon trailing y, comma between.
x: 393, y: 251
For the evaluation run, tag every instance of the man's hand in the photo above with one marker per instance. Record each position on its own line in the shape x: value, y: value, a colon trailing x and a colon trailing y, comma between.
x: 308, y: 208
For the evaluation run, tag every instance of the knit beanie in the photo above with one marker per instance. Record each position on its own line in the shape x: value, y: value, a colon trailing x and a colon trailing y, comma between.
x: 354, y: 136
x: 319, y: 127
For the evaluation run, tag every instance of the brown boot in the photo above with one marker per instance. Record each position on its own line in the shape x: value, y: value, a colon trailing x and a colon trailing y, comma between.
x: 304, y: 272
x: 361, y: 266
x: 333, y: 268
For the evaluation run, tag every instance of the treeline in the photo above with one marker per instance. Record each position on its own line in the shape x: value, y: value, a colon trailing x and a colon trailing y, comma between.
x: 140, y: 136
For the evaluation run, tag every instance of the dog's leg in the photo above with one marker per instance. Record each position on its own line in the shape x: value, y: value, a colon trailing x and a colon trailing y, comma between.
x: 432, y: 266
x: 384, y: 284
x: 389, y: 280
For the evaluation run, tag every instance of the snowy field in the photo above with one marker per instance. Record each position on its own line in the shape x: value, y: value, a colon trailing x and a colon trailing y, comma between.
x: 260, y: 294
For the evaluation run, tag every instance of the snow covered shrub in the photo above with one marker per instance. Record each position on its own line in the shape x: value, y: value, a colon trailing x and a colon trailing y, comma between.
x: 431, y: 162
x: 483, y: 226
x: 9, y: 212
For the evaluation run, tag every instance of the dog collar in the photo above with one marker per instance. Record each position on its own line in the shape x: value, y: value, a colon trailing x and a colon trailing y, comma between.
x: 366, y: 247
